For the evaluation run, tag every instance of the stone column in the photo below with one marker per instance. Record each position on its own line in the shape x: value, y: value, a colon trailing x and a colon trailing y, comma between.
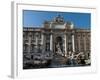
x: 73, y: 43
x: 29, y: 45
x: 65, y: 45
x: 51, y: 42
x: 36, y: 41
x: 84, y: 43
x: 79, y: 43
x: 42, y: 39
x: 51, y: 38
x: 43, y: 42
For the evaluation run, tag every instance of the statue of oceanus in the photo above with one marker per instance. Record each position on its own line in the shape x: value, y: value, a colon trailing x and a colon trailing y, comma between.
x: 59, y: 51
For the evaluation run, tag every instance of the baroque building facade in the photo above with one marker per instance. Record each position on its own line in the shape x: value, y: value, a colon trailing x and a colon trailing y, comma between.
x: 56, y: 37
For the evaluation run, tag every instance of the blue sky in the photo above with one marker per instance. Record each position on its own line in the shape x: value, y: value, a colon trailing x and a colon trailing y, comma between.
x: 33, y: 18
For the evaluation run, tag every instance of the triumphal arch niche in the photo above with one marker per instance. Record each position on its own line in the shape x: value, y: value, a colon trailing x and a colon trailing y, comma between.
x: 61, y: 35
